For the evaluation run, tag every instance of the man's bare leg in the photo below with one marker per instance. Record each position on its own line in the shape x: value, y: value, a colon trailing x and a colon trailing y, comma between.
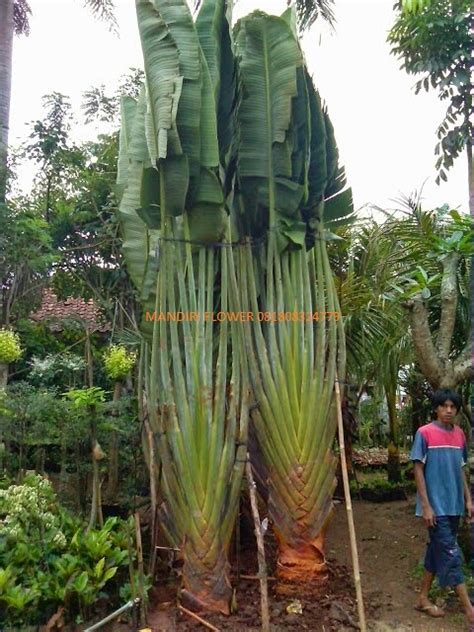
x: 424, y: 604
x: 462, y: 593
x: 423, y: 599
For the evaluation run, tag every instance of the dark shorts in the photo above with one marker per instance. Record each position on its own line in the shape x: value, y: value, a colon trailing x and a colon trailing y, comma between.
x: 443, y: 555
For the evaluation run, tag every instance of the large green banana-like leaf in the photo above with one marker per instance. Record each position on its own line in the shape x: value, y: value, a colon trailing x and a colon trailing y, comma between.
x: 181, y: 122
x: 214, y: 30
x: 269, y: 59
x: 329, y: 199
x: 139, y: 242
x: 164, y: 86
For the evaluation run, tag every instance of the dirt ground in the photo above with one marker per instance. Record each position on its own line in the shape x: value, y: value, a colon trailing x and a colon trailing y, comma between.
x: 391, y: 543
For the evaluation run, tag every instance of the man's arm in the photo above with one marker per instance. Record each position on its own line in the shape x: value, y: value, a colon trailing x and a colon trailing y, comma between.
x: 428, y: 513
x: 467, y: 497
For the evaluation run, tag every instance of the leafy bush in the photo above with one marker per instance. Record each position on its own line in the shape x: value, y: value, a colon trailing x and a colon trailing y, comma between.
x: 10, y: 349
x: 85, y: 397
x: 118, y: 362
x: 32, y: 419
x: 62, y: 367
x: 48, y: 559
x: 29, y: 511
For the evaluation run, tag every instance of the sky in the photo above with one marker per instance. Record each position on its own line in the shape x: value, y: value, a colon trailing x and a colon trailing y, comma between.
x: 386, y: 133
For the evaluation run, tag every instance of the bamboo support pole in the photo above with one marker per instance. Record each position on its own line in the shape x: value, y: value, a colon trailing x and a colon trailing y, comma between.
x: 350, y: 515
x: 262, y: 566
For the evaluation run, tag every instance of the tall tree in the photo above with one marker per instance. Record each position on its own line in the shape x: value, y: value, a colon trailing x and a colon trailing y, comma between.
x: 14, y: 19
x: 434, y: 39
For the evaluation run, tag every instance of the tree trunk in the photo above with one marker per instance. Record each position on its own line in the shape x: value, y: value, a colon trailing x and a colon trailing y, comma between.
x: 112, y: 483
x: 3, y: 376
x: 6, y: 47
x: 82, y: 478
x: 470, y: 167
x: 436, y: 362
x: 89, y: 370
x: 96, y: 506
x: 393, y: 456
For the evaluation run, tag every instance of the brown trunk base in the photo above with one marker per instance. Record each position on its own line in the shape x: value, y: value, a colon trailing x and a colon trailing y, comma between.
x: 394, y: 474
x: 302, y: 563
x: 206, y: 589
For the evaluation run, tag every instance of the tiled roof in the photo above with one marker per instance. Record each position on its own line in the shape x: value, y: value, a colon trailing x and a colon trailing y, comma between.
x: 54, y: 313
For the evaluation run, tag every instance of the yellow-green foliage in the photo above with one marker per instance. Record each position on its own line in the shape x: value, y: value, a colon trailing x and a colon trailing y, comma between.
x: 118, y: 362
x: 10, y: 349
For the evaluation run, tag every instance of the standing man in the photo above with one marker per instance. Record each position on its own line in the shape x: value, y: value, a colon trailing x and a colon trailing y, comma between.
x: 439, y: 453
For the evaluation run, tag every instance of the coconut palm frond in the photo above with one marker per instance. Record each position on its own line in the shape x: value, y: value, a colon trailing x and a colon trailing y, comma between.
x: 309, y: 11
x: 103, y: 10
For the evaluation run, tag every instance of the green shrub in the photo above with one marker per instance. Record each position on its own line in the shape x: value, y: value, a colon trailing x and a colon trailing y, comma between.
x: 48, y: 559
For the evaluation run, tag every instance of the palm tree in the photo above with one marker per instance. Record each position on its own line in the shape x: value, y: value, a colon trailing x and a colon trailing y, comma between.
x: 14, y: 19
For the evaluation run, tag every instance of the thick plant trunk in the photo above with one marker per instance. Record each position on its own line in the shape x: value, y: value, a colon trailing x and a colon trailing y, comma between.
x: 206, y: 584
x: 112, y: 484
x: 6, y: 47
x: 3, y: 376
x: 303, y: 562
x: 301, y: 519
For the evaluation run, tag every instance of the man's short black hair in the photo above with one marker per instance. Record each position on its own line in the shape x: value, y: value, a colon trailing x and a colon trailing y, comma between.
x: 442, y: 395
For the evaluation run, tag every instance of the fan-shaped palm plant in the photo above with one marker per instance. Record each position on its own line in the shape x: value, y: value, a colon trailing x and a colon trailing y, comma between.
x: 228, y: 166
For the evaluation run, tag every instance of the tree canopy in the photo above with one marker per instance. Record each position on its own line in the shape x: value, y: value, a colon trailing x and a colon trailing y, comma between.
x: 434, y: 43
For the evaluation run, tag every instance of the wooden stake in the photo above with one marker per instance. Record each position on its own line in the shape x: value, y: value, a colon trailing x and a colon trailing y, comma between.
x: 350, y: 515
x: 262, y: 566
x: 205, y: 623
x: 141, y: 575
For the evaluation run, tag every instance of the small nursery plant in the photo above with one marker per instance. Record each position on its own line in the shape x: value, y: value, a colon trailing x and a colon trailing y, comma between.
x: 10, y: 349
x: 119, y: 362
x: 86, y: 397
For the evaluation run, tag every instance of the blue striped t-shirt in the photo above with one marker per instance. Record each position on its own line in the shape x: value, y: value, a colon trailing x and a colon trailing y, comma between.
x: 443, y: 450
